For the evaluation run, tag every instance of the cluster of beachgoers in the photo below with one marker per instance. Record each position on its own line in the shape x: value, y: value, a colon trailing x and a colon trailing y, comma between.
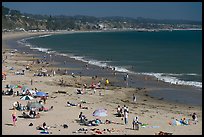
x: 37, y: 98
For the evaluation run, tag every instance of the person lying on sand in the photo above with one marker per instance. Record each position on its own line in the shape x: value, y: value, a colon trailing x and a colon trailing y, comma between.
x: 80, y: 91
x: 43, y: 127
x: 32, y: 113
x: 82, y: 118
x: 45, y: 109
x: 25, y: 115
x: 91, y: 123
x: 111, y: 122
x: 82, y: 107
x: 71, y: 104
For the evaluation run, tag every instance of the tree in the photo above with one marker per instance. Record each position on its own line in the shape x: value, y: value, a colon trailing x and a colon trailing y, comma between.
x: 5, y: 10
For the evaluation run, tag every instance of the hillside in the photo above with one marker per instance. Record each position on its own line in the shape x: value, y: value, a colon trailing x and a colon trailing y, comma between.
x: 16, y: 21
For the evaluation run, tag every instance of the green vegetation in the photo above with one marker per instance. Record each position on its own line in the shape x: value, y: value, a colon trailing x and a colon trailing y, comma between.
x: 17, y: 21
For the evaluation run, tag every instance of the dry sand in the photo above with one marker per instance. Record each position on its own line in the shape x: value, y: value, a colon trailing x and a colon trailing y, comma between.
x: 155, y: 113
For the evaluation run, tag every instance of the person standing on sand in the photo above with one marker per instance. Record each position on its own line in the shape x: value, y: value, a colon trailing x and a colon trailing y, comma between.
x: 127, y: 79
x: 14, y: 118
x: 107, y: 82
x: 31, y: 81
x: 126, y: 116
x: 134, y: 98
x: 54, y: 72
x: 195, y: 118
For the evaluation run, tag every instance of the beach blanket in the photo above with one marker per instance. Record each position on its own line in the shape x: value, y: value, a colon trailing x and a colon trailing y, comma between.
x: 148, y: 126
x: 163, y: 133
x: 179, y: 122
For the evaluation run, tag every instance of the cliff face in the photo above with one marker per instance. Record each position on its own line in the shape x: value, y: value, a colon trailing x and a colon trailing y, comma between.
x: 13, y: 22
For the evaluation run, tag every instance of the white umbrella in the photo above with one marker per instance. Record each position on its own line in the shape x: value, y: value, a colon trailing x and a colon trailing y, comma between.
x: 100, y: 113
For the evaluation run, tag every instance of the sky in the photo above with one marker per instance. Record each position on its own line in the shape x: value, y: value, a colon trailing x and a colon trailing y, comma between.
x: 154, y: 10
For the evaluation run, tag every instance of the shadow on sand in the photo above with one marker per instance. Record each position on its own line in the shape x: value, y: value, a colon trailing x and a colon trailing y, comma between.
x: 9, y: 124
x: 130, y: 128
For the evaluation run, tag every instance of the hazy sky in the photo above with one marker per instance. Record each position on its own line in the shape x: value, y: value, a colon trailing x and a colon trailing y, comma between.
x: 156, y: 10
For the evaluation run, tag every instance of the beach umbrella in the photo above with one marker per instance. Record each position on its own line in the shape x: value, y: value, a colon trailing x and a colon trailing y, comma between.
x: 41, y: 94
x: 34, y: 105
x: 11, y: 86
x: 100, y: 113
x: 26, y: 98
x: 32, y: 92
x: 176, y: 123
x: 19, y: 86
x: 24, y: 88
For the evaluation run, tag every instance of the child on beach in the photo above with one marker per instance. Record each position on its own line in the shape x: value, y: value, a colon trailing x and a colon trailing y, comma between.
x: 14, y: 118
x: 107, y: 82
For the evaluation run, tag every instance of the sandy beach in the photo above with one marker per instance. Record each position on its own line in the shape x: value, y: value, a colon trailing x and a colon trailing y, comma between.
x: 155, y: 114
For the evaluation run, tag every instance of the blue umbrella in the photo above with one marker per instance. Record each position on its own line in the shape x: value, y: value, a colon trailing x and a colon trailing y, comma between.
x: 41, y: 94
x: 100, y: 113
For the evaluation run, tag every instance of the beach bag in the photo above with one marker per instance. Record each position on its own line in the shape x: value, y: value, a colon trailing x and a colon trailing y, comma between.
x: 31, y: 124
x: 136, y: 126
x: 65, y: 126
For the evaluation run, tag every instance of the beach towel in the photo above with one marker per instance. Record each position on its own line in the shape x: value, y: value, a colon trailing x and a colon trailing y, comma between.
x: 144, y: 125
x: 179, y: 123
x: 44, y: 132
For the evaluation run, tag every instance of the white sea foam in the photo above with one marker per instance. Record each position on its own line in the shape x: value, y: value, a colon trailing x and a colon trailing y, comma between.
x: 44, y: 35
x: 100, y: 64
x: 61, y: 54
x: 91, y: 61
x: 121, y: 69
x: 27, y: 45
x: 78, y: 58
x: 40, y: 49
x: 174, y: 80
x: 97, y: 63
x: 166, y: 77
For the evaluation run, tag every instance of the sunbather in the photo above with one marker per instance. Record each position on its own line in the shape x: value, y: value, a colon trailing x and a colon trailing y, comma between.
x: 43, y: 127
x: 82, y: 107
x: 82, y: 117
x: 26, y: 115
x: 71, y: 104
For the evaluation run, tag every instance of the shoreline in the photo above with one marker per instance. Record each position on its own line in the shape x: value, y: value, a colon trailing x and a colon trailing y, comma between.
x: 155, y: 112
x: 137, y: 81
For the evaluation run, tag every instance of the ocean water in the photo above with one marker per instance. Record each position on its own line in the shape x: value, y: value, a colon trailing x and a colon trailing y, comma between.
x: 174, y: 57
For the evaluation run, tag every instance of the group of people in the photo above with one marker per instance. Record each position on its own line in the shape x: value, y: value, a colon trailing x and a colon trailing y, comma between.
x: 123, y: 112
